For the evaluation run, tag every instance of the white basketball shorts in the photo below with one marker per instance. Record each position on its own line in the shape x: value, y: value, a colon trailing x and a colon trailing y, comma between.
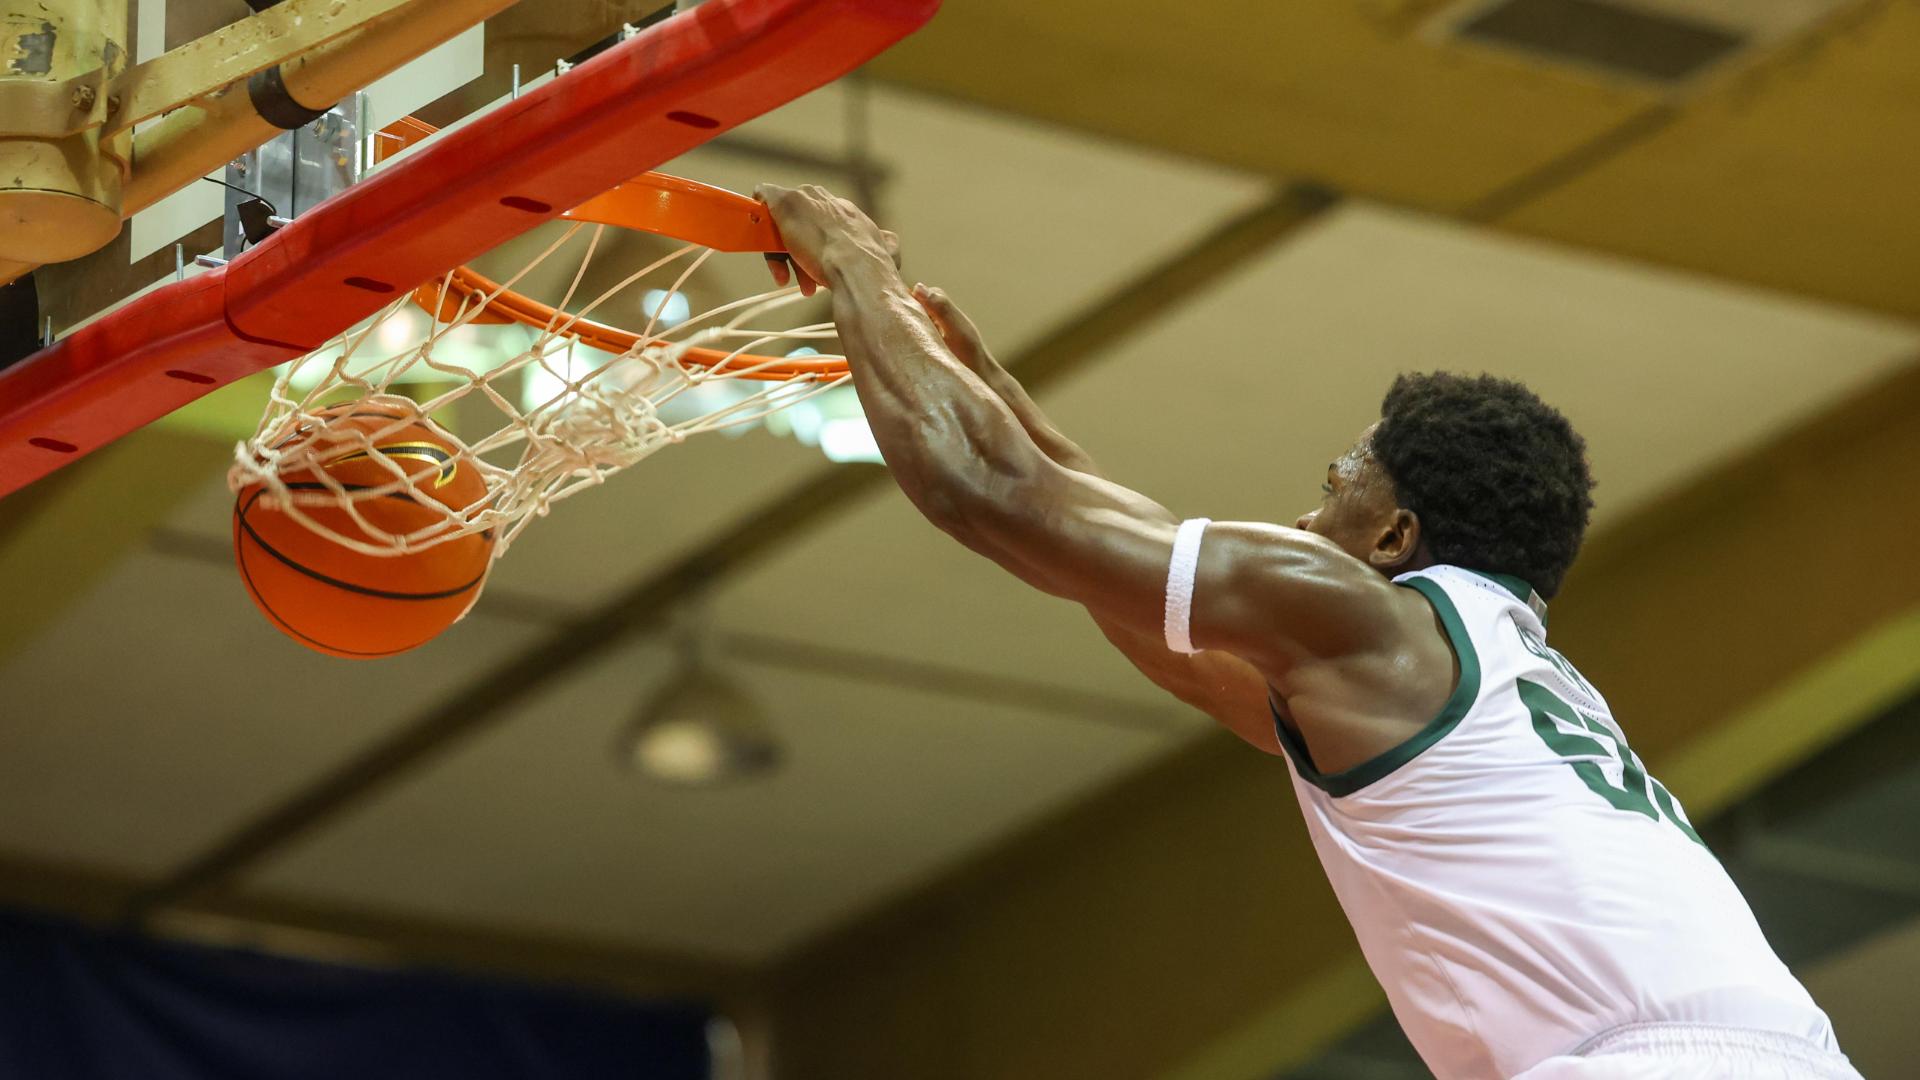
x: 1669, y: 1051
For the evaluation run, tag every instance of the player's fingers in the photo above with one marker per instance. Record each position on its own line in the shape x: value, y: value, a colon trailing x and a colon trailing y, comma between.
x: 956, y: 321
x: 955, y: 328
x: 924, y: 296
x: 818, y: 195
x: 781, y: 270
x: 789, y: 204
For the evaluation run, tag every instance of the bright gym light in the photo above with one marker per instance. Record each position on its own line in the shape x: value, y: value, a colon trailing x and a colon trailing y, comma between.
x: 546, y: 379
x: 849, y: 439
x: 698, y: 731
x: 670, y: 309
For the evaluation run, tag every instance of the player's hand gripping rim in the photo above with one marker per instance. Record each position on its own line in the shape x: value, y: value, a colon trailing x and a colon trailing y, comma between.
x: 818, y: 227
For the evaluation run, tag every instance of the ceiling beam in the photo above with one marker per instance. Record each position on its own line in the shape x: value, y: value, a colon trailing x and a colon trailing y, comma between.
x: 986, y: 688
x: 641, y: 608
x: 1788, y: 167
x: 1569, y: 165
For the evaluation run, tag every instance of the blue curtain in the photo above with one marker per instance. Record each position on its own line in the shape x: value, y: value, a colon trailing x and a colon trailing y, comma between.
x: 82, y: 1004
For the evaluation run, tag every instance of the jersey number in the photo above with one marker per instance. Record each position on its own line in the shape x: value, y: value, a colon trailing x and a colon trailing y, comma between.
x: 1636, y: 792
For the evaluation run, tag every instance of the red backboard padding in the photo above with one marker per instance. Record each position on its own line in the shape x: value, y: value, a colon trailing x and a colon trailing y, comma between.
x: 630, y: 109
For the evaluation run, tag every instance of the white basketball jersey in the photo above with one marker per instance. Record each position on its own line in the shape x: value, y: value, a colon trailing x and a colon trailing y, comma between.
x: 1517, y: 881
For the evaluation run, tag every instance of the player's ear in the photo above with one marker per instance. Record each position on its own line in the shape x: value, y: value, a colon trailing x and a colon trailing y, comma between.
x: 1398, y: 541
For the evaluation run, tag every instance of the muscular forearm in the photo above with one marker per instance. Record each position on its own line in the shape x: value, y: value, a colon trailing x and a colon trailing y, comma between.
x: 949, y: 440
x: 1048, y: 438
x: 964, y: 341
x: 1167, y: 670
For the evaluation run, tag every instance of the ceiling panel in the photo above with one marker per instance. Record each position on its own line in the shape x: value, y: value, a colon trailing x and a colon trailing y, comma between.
x: 534, y: 824
x: 1347, y: 93
x: 1799, y: 176
x: 1790, y: 166
x: 162, y: 712
x: 1030, y: 219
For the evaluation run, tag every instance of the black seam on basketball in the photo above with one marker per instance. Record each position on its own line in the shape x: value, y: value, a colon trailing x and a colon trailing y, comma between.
x: 286, y: 627
x: 346, y: 585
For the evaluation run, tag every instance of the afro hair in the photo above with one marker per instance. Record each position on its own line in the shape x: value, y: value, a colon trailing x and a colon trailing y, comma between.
x: 1498, y: 477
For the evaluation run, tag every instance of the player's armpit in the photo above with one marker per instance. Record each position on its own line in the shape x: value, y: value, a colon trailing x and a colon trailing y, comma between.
x: 1237, y: 697
x: 1226, y: 688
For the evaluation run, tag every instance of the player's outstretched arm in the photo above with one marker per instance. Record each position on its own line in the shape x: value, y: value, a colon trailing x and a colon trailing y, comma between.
x: 1274, y: 596
x: 1224, y: 687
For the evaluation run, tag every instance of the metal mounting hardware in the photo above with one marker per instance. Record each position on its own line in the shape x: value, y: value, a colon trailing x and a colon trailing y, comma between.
x: 198, y: 69
x: 260, y: 42
x: 277, y: 107
x: 32, y: 109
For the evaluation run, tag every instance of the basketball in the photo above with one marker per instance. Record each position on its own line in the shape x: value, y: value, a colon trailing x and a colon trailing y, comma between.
x: 347, y: 603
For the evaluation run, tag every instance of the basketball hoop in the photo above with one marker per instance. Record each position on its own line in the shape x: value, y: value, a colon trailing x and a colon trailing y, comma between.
x: 598, y: 416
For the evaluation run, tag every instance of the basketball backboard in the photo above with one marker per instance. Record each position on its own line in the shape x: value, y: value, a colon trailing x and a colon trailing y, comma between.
x: 674, y: 85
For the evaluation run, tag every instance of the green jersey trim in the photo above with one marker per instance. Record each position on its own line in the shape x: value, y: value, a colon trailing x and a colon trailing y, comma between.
x: 1465, y: 693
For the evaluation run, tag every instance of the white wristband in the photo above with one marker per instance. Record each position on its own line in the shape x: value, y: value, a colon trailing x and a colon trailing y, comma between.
x: 1180, y: 575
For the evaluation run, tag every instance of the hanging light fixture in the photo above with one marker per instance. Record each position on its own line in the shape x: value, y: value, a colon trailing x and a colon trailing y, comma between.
x: 699, y: 729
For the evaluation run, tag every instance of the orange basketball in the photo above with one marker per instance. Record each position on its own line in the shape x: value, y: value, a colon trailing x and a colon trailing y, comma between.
x: 343, y: 602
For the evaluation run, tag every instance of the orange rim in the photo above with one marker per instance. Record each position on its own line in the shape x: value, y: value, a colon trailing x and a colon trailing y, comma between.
x: 442, y: 299
x: 651, y: 202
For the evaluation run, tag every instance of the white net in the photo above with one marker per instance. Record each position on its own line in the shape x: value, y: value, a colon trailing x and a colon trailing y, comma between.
x: 538, y: 424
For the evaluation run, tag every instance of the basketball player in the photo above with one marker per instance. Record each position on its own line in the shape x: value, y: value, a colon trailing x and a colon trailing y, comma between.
x: 1534, y: 904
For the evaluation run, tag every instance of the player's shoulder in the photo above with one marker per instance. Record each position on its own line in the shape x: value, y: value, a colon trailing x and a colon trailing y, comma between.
x: 1323, y: 601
